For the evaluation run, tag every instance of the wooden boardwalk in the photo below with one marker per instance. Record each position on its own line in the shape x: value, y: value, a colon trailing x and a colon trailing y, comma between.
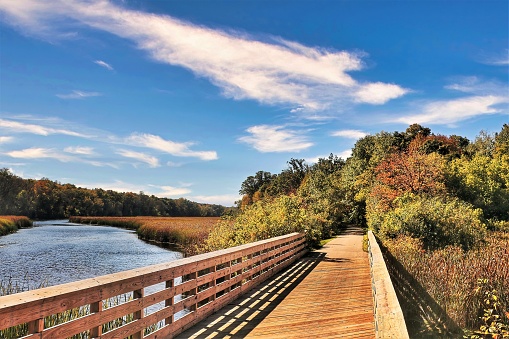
x: 326, y: 294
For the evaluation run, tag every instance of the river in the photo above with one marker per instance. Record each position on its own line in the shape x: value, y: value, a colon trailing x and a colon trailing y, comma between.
x: 56, y: 252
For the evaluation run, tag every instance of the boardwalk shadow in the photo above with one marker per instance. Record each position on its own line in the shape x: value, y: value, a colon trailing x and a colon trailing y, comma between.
x: 423, y: 315
x: 241, y: 316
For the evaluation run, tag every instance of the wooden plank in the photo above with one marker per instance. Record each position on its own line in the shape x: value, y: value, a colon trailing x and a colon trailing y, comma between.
x: 326, y: 295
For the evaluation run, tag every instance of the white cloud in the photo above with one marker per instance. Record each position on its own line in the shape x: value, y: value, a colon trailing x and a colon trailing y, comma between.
x: 173, y: 164
x: 349, y: 133
x: 150, y: 160
x: 104, y: 64
x: 80, y: 150
x: 242, y: 66
x: 455, y: 110
x: 265, y: 138
x: 497, y: 60
x: 136, y: 139
x: 4, y: 139
x: 51, y: 153
x: 168, y: 146
x: 378, y: 93
x: 20, y: 127
x: 117, y: 186
x: 224, y: 199
x: 170, y: 191
x: 478, y: 86
x: 78, y: 95
x: 345, y: 154
x: 39, y: 153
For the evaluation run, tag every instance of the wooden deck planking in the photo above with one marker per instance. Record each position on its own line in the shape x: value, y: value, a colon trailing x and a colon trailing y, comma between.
x: 326, y: 294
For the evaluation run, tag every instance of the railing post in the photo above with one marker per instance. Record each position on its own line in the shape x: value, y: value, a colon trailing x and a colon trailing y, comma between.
x: 194, y: 291
x: 96, y: 307
x: 36, y: 326
x: 169, y: 302
x: 137, y: 294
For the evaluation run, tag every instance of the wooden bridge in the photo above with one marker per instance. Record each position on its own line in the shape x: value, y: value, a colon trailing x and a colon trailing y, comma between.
x: 286, y: 293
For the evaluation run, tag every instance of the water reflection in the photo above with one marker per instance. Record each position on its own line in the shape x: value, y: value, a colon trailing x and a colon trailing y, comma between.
x: 56, y: 252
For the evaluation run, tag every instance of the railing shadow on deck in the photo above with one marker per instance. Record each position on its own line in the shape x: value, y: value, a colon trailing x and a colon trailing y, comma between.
x: 242, y: 315
x: 424, y: 317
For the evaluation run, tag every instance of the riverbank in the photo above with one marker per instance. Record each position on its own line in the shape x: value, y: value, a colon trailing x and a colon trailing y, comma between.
x: 186, y: 233
x: 11, y: 223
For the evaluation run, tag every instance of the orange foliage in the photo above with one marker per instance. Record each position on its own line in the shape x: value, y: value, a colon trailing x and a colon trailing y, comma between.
x: 412, y: 171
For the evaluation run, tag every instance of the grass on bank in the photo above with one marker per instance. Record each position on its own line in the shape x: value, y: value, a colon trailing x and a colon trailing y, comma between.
x: 187, y: 233
x: 11, y: 223
x: 452, y: 276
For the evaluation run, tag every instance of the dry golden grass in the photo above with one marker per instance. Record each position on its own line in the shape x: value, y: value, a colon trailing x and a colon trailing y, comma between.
x: 188, y: 233
x: 450, y: 275
x: 11, y: 223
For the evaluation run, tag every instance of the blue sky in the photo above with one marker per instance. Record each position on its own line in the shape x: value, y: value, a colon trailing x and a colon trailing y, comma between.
x: 188, y: 98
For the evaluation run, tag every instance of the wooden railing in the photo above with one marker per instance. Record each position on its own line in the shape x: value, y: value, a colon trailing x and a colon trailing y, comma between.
x: 187, y: 290
x: 389, y: 319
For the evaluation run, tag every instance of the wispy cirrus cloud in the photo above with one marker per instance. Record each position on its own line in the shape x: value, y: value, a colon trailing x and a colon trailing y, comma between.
x: 146, y: 158
x: 349, y: 133
x: 78, y: 95
x: 35, y: 153
x: 14, y: 126
x: 223, y: 199
x: 151, y: 141
x: 244, y: 67
x: 267, y: 138
x: 80, y: 150
x: 480, y: 97
x: 170, y: 191
x: 39, y: 153
x: 455, y: 110
x: 103, y: 64
x: 168, y: 146
x: 4, y: 140
x: 501, y: 59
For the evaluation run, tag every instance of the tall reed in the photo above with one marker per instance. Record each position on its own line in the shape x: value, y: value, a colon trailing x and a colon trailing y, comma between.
x: 11, y: 223
x: 187, y: 233
x: 450, y: 275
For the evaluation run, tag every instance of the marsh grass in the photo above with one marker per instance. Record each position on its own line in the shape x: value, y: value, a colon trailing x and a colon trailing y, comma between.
x: 450, y: 275
x: 187, y: 233
x: 11, y: 223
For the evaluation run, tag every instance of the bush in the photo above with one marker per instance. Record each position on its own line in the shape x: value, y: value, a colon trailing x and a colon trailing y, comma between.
x: 437, y: 221
x: 266, y: 219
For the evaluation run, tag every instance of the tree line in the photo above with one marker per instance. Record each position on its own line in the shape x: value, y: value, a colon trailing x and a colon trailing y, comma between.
x: 446, y: 190
x: 47, y: 199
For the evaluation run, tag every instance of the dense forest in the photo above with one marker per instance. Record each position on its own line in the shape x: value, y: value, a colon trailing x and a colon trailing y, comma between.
x: 46, y: 199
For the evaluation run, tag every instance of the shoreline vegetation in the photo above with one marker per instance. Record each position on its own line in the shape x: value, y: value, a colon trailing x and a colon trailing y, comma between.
x: 187, y: 234
x: 438, y: 204
x: 11, y: 223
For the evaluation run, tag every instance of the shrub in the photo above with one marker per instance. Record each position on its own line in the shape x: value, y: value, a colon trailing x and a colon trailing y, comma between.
x: 266, y: 219
x: 437, y: 221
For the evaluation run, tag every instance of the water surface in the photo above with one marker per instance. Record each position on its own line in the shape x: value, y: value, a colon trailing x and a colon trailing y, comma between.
x: 56, y: 252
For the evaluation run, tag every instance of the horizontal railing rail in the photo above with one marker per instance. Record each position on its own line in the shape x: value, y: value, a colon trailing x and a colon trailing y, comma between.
x: 389, y: 319
x: 163, y: 300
